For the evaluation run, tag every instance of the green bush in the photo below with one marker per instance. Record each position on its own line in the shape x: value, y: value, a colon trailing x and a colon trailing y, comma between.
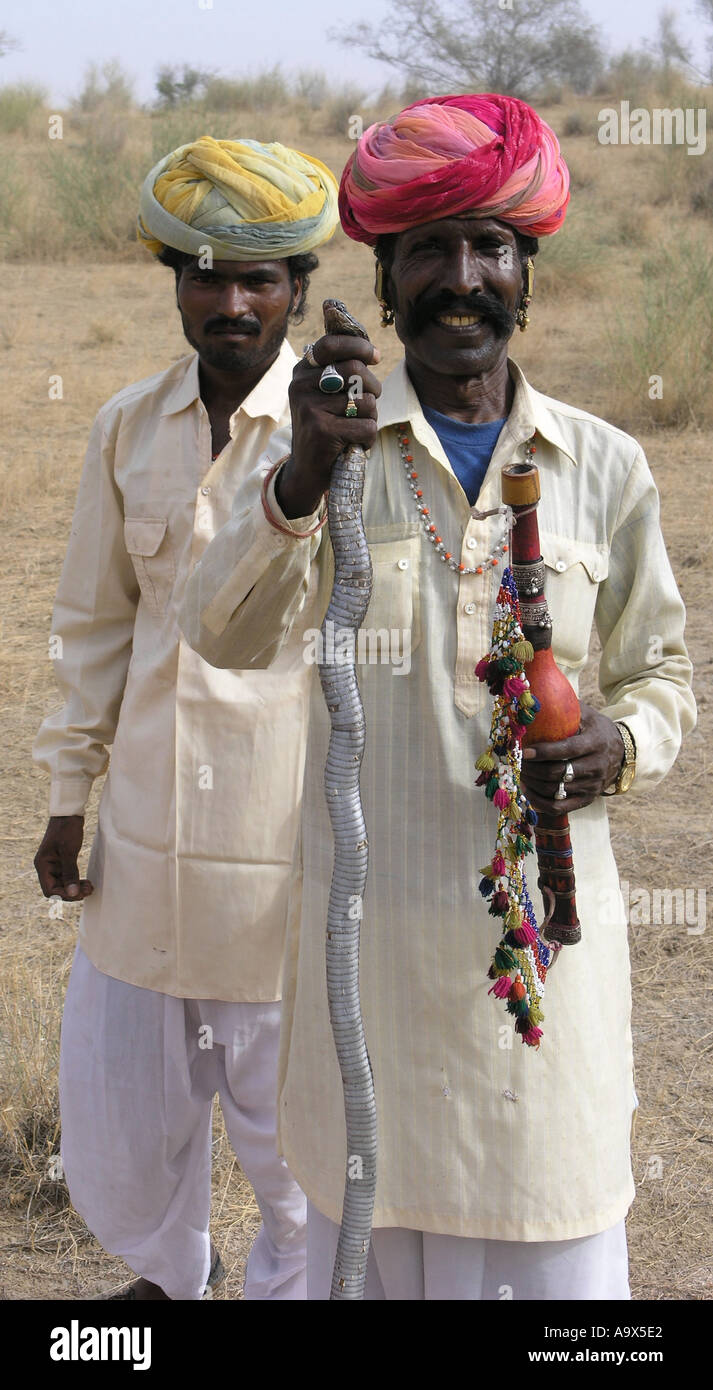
x: 94, y: 198
x: 311, y: 88
x: 264, y: 92
x: 571, y: 262
x: 174, y: 90
x: 629, y: 76
x: 105, y: 85
x: 668, y: 333
x: 18, y: 104
x: 106, y: 132
x: 702, y: 195
x: 576, y: 124
x: 348, y: 101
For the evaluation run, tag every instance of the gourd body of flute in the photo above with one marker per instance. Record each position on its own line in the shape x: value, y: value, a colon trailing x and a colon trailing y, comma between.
x: 559, y: 713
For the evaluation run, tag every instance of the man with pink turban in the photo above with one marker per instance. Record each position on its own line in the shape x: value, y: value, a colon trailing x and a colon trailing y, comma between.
x: 446, y: 156
x: 503, y: 1171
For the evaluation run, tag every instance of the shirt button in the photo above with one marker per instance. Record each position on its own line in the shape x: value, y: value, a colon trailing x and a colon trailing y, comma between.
x: 205, y: 491
x: 402, y: 564
x: 560, y: 565
x: 471, y: 542
x: 595, y: 576
x: 468, y: 607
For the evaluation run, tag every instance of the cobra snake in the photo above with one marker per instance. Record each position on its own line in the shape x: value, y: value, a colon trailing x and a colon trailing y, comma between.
x: 348, y: 604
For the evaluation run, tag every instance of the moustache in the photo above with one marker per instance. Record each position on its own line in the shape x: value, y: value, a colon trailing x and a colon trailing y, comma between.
x: 486, y: 306
x: 244, y: 325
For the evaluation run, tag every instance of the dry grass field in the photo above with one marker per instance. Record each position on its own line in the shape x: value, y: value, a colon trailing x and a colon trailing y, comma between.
x: 624, y: 293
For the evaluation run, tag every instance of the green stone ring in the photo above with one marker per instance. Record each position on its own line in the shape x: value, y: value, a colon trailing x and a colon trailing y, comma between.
x: 331, y: 380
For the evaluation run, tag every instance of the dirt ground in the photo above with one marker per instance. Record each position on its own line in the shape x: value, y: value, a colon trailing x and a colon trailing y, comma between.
x: 101, y: 327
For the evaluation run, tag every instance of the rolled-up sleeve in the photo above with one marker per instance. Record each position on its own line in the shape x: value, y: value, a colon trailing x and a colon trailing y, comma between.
x: 644, y: 672
x: 92, y: 633
x: 252, y: 581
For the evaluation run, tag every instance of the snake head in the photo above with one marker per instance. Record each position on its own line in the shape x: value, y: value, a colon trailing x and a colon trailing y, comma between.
x: 337, y: 319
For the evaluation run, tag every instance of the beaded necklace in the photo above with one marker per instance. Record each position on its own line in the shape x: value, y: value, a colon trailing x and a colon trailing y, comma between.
x: 430, y: 528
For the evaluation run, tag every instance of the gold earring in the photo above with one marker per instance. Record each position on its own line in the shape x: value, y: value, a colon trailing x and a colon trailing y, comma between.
x: 387, y: 313
x: 522, y: 318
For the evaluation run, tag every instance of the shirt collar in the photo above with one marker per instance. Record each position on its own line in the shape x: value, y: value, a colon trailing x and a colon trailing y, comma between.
x: 270, y: 394
x: 268, y: 397
x: 186, y: 387
x: 530, y: 411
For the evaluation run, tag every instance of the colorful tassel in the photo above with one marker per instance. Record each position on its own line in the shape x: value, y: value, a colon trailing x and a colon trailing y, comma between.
x: 521, y: 958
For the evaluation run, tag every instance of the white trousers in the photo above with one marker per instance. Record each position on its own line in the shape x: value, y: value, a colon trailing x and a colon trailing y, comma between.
x: 405, y: 1265
x: 138, y: 1073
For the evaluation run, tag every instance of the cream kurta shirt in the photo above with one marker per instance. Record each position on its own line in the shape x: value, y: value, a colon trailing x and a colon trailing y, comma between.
x: 478, y: 1135
x: 198, y: 818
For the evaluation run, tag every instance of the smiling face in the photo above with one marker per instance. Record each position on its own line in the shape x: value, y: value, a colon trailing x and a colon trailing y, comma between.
x: 236, y: 314
x: 455, y: 286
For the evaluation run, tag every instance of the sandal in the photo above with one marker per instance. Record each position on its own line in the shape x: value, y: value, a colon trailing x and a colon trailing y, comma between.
x: 128, y: 1292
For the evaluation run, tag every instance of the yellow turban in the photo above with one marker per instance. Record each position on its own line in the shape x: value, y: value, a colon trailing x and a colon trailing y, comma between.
x: 244, y: 200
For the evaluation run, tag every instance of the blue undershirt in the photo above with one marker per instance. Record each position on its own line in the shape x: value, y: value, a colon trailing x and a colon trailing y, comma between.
x: 469, y: 448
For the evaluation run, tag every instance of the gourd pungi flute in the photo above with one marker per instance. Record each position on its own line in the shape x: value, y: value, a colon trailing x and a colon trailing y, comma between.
x: 350, y: 598
x: 559, y: 713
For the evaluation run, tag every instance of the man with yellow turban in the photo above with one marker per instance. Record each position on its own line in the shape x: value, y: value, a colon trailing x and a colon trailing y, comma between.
x: 503, y: 1171
x: 175, y: 986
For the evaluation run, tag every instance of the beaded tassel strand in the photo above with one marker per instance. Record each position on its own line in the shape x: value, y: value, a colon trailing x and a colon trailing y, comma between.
x: 521, y: 958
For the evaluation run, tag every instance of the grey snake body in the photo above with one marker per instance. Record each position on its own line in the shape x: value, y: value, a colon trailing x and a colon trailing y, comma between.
x: 347, y: 608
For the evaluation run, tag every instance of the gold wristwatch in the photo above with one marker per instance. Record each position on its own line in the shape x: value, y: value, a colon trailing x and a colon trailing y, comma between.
x: 627, y: 771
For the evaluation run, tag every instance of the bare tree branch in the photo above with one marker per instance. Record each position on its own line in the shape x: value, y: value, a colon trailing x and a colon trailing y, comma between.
x: 7, y: 43
x: 478, y: 45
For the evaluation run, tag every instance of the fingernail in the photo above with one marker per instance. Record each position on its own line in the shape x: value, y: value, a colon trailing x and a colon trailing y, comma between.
x: 72, y: 890
x: 529, y: 753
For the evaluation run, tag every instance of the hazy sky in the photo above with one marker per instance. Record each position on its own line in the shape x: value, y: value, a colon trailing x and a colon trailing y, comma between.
x: 60, y: 37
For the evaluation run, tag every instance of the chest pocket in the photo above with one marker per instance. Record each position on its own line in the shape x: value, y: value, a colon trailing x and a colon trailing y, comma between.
x: 395, y: 605
x: 574, y: 571
x: 150, y: 549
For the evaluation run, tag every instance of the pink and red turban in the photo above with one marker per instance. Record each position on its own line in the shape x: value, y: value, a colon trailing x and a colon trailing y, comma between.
x: 489, y: 155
